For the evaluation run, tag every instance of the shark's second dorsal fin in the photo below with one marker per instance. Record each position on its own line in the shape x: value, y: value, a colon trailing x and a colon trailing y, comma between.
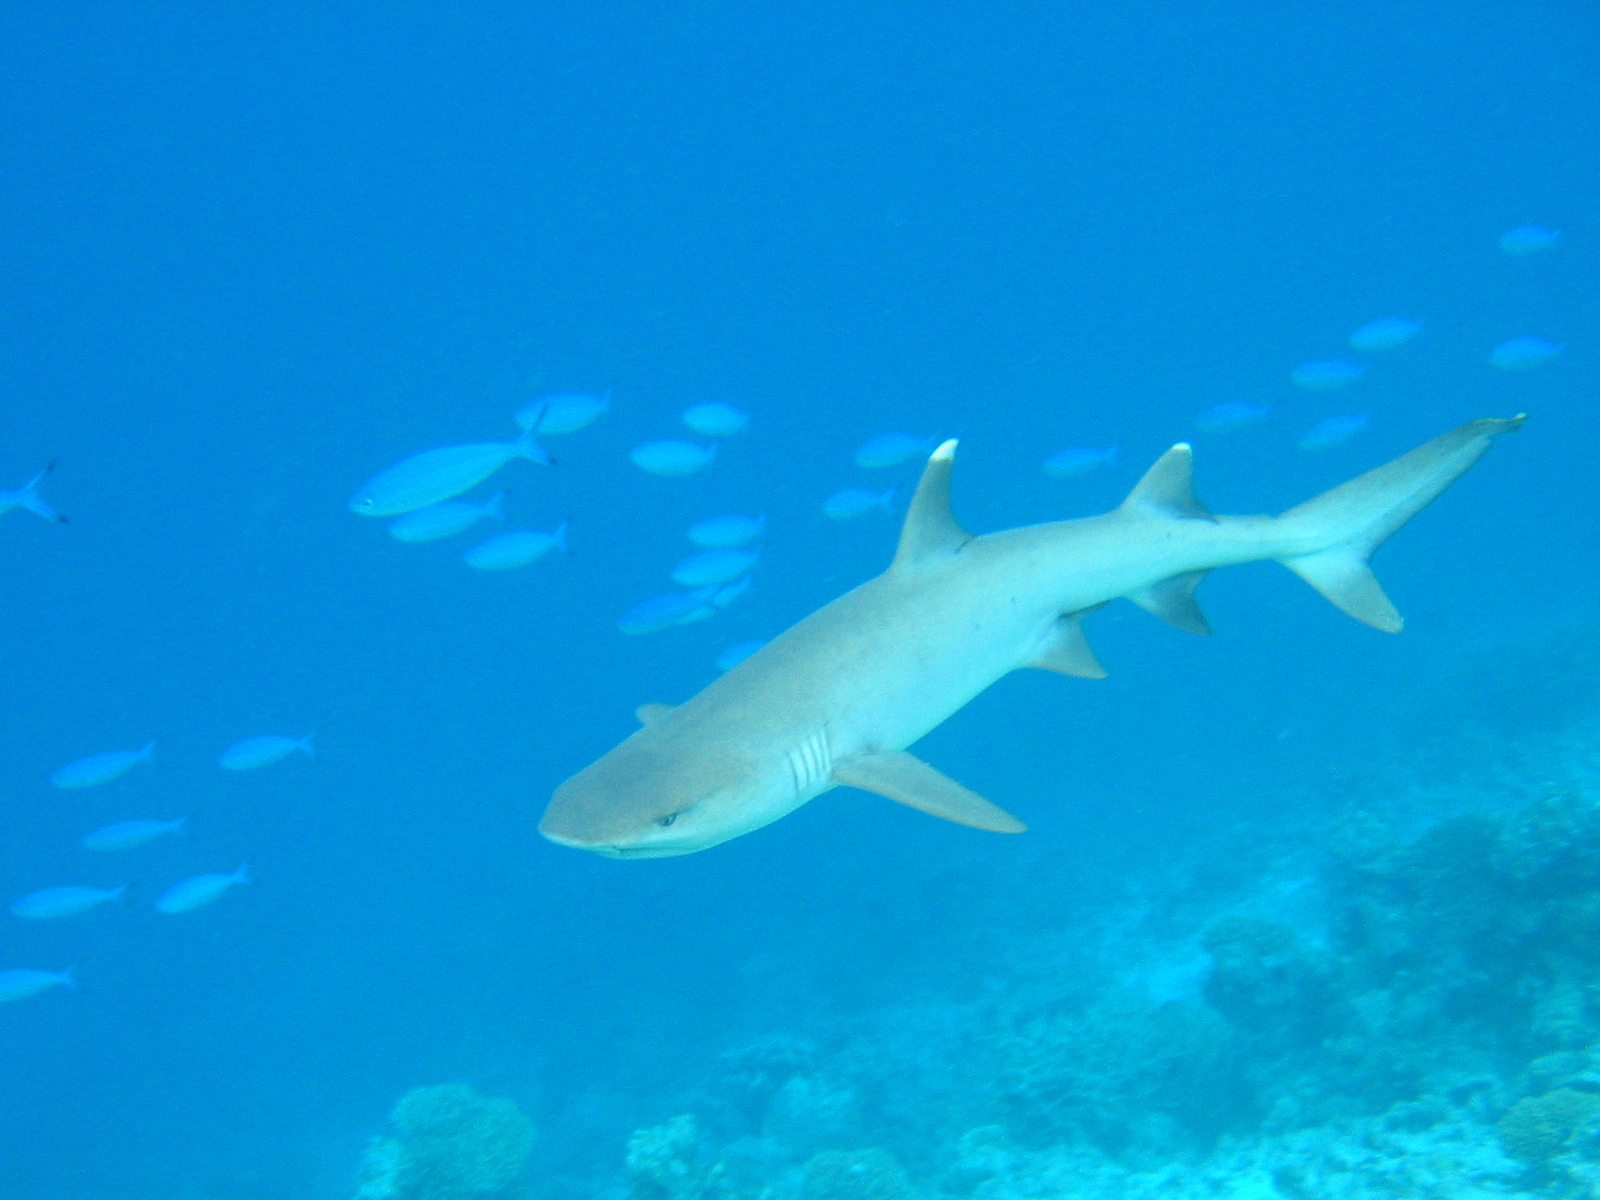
x: 929, y: 530
x: 649, y: 714
x: 1167, y: 489
x: 906, y: 779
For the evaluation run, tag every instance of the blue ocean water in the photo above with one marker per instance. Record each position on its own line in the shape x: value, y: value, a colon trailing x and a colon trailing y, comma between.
x: 257, y: 253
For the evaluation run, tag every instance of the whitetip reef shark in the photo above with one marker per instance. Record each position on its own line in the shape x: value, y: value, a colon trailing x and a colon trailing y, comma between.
x: 837, y: 698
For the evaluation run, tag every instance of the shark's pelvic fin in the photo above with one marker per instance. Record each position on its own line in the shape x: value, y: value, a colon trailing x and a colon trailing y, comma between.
x: 1345, y: 525
x: 649, y: 714
x: 930, y: 531
x: 906, y: 779
x: 1066, y: 651
x: 1167, y: 489
x: 1173, y: 601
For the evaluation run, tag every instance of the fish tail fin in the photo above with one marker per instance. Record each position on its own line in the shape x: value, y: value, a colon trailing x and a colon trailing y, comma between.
x: 492, y: 507
x: 121, y: 894
x: 305, y: 747
x: 888, y: 500
x: 559, y: 537
x: 180, y: 827
x: 28, y: 496
x: 242, y: 875
x: 147, y: 753
x: 1111, y: 453
x: 1330, y: 537
x: 69, y: 977
x: 527, y: 446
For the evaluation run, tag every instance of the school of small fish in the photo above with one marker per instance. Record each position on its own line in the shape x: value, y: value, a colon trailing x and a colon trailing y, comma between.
x: 424, y: 494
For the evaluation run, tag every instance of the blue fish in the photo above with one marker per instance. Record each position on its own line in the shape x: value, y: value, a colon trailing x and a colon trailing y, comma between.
x: 518, y: 548
x: 1326, y: 374
x: 21, y: 982
x: 50, y: 904
x: 1231, y: 415
x: 721, y: 565
x: 681, y: 608
x: 715, y: 419
x: 1386, y: 333
x: 851, y: 503
x: 892, y: 449
x: 1080, y: 460
x: 726, y: 531
x: 263, y: 751
x: 27, y: 496
x: 444, y: 520
x: 563, y: 412
x: 101, y: 768
x: 1334, y: 431
x: 737, y: 653
x: 442, y: 474
x: 1524, y: 353
x: 199, y: 890
x: 1529, y: 239
x: 673, y: 457
x: 125, y: 835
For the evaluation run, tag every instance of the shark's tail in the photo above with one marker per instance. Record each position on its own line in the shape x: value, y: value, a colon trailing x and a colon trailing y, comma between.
x: 1329, y: 538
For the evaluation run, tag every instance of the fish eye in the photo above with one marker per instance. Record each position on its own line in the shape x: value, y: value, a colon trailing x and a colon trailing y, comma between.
x: 668, y: 819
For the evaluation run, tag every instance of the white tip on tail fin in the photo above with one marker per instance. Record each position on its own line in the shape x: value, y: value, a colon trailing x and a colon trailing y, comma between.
x: 929, y: 530
x: 1340, y: 529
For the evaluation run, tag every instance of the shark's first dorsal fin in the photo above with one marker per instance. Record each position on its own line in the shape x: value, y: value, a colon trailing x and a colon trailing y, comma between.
x: 906, y: 779
x: 649, y: 714
x: 1167, y: 489
x: 929, y: 530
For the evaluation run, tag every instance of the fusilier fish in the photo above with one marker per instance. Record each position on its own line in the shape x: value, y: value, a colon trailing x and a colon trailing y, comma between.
x: 681, y: 608
x: 1326, y: 374
x: 1386, y: 333
x: 199, y: 890
x: 50, y: 904
x: 726, y: 531
x: 715, y: 419
x: 1529, y: 239
x: 516, y: 549
x: 1525, y: 353
x: 563, y: 412
x: 21, y: 983
x: 837, y: 699
x: 443, y: 520
x: 850, y: 503
x: 1334, y: 431
x: 673, y: 457
x: 713, y: 566
x: 263, y: 751
x: 1230, y: 416
x: 27, y: 496
x: 1080, y: 460
x: 101, y: 768
x: 437, y: 475
x: 891, y: 449
x: 126, y: 835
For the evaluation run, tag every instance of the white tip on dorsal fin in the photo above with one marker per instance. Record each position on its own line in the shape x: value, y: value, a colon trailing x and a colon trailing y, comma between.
x: 649, y: 714
x: 1167, y: 489
x: 906, y: 779
x: 929, y: 530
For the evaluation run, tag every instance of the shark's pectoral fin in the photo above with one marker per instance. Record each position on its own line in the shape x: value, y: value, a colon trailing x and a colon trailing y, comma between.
x: 1066, y: 651
x: 649, y: 714
x: 930, y: 531
x: 906, y: 779
x: 1173, y: 601
x: 1343, y: 576
x: 1167, y: 488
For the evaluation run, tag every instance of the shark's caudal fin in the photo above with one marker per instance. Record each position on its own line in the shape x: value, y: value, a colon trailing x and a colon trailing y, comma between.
x: 1341, y: 528
x: 930, y: 532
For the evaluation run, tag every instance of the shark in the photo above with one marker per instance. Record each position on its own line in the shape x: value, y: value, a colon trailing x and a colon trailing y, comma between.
x: 837, y: 699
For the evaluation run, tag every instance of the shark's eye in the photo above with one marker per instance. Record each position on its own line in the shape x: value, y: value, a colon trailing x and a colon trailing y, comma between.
x: 666, y: 820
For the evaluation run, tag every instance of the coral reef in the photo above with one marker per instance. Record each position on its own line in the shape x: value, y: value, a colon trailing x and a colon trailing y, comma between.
x: 453, y: 1143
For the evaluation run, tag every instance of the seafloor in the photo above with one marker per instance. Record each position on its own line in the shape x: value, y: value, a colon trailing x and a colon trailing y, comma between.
x: 1396, y: 995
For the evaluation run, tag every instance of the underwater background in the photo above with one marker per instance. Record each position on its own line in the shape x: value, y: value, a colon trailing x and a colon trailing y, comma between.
x: 1304, y: 910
